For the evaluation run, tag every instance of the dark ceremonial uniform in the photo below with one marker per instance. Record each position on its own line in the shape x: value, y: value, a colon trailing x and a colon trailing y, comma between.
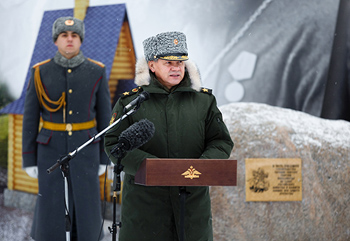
x: 188, y: 124
x: 72, y: 97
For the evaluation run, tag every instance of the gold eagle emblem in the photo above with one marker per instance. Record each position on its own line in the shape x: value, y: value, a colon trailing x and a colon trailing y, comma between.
x: 191, y: 173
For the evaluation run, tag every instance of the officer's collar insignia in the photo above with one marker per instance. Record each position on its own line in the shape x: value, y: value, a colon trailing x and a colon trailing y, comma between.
x: 131, y: 92
x: 205, y: 90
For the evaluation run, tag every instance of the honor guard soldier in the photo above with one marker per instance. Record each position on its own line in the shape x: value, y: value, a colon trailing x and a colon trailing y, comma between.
x: 70, y: 93
x: 188, y: 124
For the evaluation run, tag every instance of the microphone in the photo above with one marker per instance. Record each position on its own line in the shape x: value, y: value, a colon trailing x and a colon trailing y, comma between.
x: 138, y: 100
x: 133, y: 137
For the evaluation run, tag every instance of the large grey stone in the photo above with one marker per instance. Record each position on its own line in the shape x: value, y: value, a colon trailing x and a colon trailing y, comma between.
x: 263, y: 131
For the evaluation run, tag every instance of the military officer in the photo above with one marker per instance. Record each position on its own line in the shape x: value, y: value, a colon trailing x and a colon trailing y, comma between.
x: 188, y: 124
x: 70, y: 93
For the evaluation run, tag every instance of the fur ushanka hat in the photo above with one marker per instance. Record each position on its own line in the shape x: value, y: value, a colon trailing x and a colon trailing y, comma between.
x: 68, y: 24
x: 168, y: 46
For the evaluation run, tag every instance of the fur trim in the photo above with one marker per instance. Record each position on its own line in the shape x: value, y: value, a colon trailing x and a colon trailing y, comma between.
x: 143, y: 77
x: 194, y: 75
x: 142, y: 72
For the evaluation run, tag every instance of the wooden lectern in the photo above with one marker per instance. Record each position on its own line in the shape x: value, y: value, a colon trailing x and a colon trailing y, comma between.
x: 187, y: 172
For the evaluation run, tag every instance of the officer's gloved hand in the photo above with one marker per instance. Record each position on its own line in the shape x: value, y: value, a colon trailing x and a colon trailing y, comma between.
x: 32, y: 171
x: 101, y: 169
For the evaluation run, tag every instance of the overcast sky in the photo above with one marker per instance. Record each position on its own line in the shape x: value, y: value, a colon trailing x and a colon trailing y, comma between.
x: 20, y: 21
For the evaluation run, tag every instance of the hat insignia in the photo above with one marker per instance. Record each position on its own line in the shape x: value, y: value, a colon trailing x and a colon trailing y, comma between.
x: 176, y: 41
x: 69, y: 22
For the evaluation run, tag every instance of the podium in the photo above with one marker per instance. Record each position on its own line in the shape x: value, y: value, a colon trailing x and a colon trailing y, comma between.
x: 187, y: 172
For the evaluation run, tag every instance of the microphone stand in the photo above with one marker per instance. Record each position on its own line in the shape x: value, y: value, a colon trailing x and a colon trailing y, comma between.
x: 71, y: 155
x: 65, y: 171
x: 183, y: 195
x: 63, y: 164
x: 119, y: 153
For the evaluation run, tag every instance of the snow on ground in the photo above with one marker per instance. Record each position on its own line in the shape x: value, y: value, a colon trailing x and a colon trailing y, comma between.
x: 15, y: 224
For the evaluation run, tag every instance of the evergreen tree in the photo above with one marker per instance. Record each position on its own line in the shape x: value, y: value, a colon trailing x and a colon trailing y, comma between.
x: 5, y: 96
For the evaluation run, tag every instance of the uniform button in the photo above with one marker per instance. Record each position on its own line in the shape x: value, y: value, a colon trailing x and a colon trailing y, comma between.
x: 69, y: 71
x: 70, y: 91
x: 70, y: 112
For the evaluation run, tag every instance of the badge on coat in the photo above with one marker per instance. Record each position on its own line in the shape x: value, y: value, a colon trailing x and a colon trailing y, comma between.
x: 113, y: 118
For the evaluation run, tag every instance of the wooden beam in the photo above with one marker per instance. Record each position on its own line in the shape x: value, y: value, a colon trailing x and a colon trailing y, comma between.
x: 80, y: 9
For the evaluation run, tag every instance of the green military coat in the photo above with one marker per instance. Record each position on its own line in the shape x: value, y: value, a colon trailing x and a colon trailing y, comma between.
x: 188, y: 124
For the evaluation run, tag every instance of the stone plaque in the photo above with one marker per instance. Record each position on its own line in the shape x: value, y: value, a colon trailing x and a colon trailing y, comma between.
x: 273, y: 179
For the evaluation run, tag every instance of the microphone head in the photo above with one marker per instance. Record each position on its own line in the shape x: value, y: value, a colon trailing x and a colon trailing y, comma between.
x: 137, y: 134
x: 145, y: 95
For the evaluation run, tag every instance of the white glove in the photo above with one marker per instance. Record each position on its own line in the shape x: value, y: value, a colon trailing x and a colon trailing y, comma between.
x: 101, y: 169
x: 32, y: 171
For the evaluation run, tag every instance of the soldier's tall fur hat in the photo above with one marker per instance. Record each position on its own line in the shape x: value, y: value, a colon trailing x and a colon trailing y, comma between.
x: 63, y: 24
x: 168, y: 46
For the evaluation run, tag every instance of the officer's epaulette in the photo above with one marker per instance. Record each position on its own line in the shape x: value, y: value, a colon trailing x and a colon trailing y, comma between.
x: 41, y: 63
x: 131, y: 92
x: 97, y: 62
x: 206, y: 90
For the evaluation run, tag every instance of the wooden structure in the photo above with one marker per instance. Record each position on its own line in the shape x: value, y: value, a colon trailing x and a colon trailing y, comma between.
x: 187, y: 172
x: 80, y: 9
x: 124, y: 61
x: 118, y: 55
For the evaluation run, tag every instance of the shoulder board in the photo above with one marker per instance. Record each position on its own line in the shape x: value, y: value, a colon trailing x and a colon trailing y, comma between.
x: 131, y: 92
x: 205, y: 90
x: 96, y: 62
x: 41, y: 63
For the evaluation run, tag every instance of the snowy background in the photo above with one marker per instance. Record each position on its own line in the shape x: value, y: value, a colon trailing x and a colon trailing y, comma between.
x: 275, y: 52
x: 20, y: 21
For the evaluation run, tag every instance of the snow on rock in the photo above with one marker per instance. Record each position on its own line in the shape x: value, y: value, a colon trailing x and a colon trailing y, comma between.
x: 263, y: 131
